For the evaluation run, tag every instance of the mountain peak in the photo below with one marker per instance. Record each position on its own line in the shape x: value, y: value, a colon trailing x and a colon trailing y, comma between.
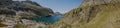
x: 98, y: 2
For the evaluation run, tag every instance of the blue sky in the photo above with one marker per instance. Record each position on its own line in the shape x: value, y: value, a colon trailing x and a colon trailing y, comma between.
x: 61, y: 6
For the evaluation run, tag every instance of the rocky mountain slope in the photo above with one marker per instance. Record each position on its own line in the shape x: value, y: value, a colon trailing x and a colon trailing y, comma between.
x: 18, y: 14
x: 92, y: 14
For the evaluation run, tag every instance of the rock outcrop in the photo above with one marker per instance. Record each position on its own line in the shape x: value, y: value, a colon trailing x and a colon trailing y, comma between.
x: 92, y: 14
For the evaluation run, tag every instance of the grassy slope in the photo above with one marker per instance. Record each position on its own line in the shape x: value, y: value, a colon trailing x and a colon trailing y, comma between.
x: 94, y: 16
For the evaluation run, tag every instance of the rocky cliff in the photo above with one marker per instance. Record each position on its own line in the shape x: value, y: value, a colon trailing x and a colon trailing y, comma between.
x: 18, y: 14
x: 92, y: 14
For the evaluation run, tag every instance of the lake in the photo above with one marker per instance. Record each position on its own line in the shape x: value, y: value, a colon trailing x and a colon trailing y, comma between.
x: 51, y: 19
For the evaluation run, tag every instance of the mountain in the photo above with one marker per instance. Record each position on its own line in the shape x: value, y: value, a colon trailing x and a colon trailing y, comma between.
x: 92, y: 14
x: 58, y: 13
x: 18, y: 14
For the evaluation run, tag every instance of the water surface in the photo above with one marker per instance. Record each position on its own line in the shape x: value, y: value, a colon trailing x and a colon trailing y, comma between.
x: 51, y: 19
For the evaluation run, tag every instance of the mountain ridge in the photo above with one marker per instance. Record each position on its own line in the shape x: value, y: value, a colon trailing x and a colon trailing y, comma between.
x: 92, y: 14
x: 19, y: 14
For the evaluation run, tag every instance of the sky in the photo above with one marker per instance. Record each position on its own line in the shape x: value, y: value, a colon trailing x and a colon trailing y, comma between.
x: 61, y: 6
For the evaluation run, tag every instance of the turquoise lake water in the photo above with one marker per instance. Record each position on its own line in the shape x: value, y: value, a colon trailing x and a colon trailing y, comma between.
x: 52, y: 19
